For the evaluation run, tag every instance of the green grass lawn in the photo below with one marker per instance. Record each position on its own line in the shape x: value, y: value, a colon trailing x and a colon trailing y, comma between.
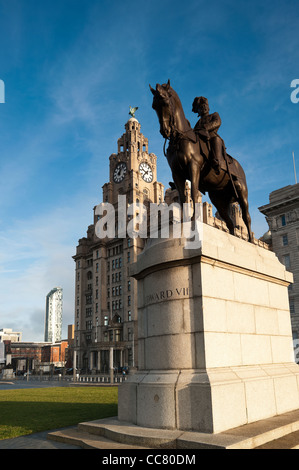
x: 33, y: 410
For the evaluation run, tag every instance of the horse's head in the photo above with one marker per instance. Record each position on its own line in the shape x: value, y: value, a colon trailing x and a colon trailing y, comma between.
x: 163, y: 107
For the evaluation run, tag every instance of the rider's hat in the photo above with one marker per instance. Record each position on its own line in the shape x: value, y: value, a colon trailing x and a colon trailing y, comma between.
x: 198, y: 101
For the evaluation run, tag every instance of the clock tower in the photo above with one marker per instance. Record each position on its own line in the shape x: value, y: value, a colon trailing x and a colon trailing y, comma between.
x: 133, y: 171
x: 106, y: 296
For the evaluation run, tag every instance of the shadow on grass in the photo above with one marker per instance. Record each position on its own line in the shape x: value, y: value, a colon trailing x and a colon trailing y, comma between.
x: 21, y: 418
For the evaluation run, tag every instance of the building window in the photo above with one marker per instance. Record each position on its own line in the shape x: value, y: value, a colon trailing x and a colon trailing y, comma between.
x: 117, y: 335
x: 106, y: 320
x: 129, y: 285
x: 129, y: 300
x: 283, y: 220
x: 292, y: 307
x: 89, y: 312
x: 287, y: 261
x: 129, y: 315
x: 285, y: 241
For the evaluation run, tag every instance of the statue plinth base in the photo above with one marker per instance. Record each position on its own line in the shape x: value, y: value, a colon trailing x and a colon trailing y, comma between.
x: 214, y: 336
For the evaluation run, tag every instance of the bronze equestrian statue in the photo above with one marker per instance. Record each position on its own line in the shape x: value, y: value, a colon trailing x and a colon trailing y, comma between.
x: 198, y: 156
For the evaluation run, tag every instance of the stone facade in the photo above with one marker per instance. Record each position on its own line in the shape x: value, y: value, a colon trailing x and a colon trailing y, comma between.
x: 282, y: 214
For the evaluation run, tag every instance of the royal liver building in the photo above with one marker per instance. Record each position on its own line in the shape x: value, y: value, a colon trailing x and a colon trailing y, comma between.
x: 105, y: 294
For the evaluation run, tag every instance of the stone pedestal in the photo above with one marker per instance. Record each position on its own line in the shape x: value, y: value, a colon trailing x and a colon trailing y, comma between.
x: 214, y: 336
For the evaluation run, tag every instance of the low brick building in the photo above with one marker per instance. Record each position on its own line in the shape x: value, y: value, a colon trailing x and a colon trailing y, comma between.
x: 36, y: 356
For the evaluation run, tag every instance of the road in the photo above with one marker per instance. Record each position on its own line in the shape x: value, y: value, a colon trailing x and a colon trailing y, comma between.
x: 32, y: 383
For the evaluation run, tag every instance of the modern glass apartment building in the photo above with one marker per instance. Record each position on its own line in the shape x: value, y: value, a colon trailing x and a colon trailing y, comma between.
x: 53, y: 320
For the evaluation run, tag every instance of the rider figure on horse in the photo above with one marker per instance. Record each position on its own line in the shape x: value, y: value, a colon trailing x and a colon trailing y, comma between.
x: 207, y: 128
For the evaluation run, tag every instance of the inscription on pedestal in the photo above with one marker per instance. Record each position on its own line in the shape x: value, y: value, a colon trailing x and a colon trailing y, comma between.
x: 166, y: 294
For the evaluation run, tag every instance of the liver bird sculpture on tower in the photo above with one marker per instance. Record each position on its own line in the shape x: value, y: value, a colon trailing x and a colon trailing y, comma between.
x: 133, y: 111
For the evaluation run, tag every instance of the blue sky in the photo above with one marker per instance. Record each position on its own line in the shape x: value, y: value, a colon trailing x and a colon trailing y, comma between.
x: 71, y: 70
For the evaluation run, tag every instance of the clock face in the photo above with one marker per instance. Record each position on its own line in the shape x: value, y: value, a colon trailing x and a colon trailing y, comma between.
x: 119, y: 172
x: 146, y: 172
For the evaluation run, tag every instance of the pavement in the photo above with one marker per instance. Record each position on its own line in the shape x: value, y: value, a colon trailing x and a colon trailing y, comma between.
x: 33, y: 383
x: 34, y: 441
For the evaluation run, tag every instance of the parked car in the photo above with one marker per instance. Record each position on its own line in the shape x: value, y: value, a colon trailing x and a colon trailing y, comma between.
x: 70, y: 371
x: 124, y: 370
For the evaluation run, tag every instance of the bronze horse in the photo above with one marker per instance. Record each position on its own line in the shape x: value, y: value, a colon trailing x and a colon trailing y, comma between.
x: 188, y: 158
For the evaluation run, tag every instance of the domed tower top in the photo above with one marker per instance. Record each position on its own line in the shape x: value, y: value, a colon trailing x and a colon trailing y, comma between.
x: 133, y: 140
x: 132, y: 123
